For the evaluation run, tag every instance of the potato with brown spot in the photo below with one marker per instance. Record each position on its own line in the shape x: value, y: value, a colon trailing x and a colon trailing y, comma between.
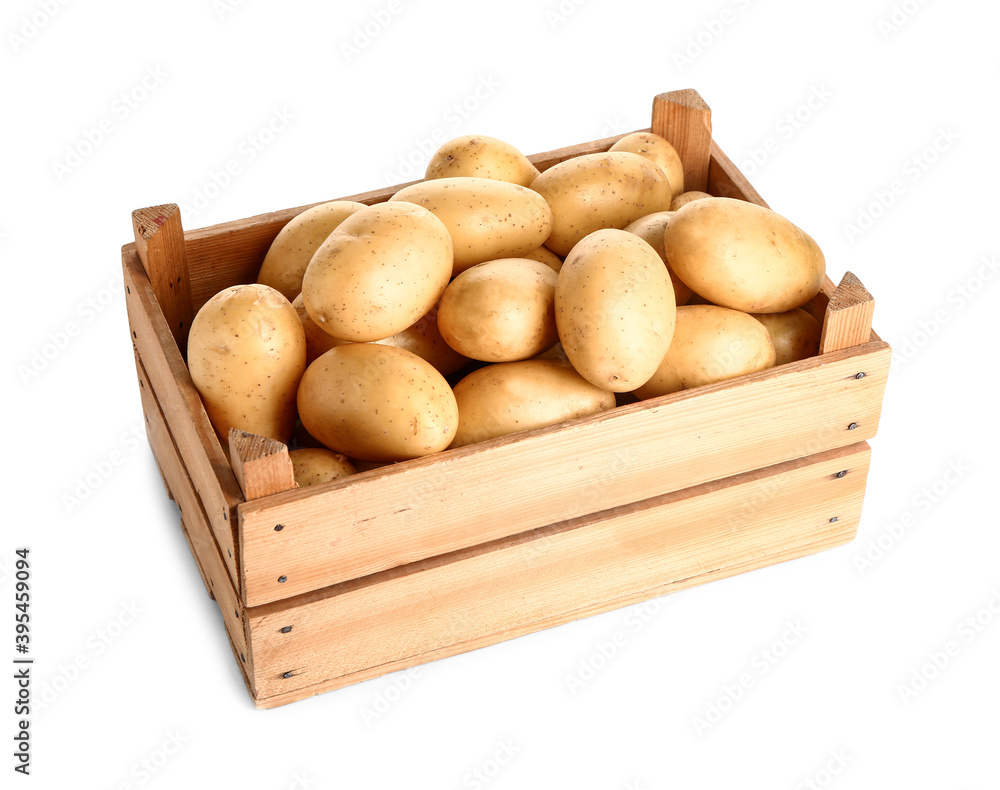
x: 597, y: 191
x: 500, y: 311
x: 479, y: 156
x: 509, y: 397
x: 289, y: 254
x: 656, y: 149
x: 710, y: 344
x: 374, y: 402
x: 487, y: 219
x: 615, y: 309
x: 379, y: 272
x: 246, y: 353
x: 740, y: 255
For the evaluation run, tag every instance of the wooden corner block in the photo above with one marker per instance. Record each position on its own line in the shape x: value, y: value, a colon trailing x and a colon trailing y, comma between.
x: 685, y: 120
x: 261, y: 465
x: 848, y: 319
x: 159, y: 242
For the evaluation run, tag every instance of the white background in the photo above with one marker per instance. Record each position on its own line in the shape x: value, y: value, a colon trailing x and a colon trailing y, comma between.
x: 901, y: 92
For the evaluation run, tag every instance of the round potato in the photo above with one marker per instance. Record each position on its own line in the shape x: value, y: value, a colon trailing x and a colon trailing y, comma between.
x: 379, y: 272
x: 740, y: 255
x: 313, y: 465
x: 596, y: 191
x: 479, y: 156
x: 289, y: 254
x: 508, y: 397
x: 795, y: 334
x: 377, y: 403
x: 687, y: 197
x: 614, y: 309
x: 656, y: 149
x: 317, y: 341
x: 424, y: 339
x: 710, y: 344
x: 500, y: 311
x: 487, y: 219
x: 546, y: 256
x: 650, y: 229
x: 246, y: 353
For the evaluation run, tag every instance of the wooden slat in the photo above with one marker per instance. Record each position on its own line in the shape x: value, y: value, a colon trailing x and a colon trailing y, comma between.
x: 261, y: 465
x: 159, y: 243
x: 848, y: 320
x: 392, y: 516
x: 491, y: 593
x: 198, y: 445
x: 194, y: 522
x: 685, y: 120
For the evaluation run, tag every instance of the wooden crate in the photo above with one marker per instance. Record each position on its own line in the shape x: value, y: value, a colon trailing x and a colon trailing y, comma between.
x: 334, y: 584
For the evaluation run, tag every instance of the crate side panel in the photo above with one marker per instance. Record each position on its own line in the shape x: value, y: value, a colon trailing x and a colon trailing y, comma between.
x: 201, y: 541
x: 562, y: 573
x: 183, y: 411
x: 378, y: 520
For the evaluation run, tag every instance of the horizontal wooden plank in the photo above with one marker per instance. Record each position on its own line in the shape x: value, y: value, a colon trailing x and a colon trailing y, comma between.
x: 397, y: 515
x: 194, y: 522
x: 198, y: 446
x: 557, y: 574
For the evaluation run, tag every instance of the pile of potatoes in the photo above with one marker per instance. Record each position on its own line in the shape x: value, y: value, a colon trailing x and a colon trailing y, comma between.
x: 491, y: 298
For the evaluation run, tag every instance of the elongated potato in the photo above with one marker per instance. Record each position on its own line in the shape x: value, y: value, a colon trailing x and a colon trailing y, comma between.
x: 595, y: 191
x: 479, y: 156
x: 656, y: 149
x: 650, y: 229
x: 246, y: 354
x: 508, y: 397
x: 487, y: 219
x: 740, y: 255
x: 710, y: 344
x: 500, y: 311
x: 289, y: 254
x: 795, y: 334
x: 383, y: 269
x: 615, y: 309
x: 377, y: 403
x: 312, y: 466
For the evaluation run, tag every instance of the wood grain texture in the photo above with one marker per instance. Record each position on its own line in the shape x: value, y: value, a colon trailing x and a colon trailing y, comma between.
x: 159, y: 243
x: 261, y: 465
x: 184, y: 412
x: 685, y: 120
x: 194, y: 522
x: 393, y: 516
x: 848, y: 319
x: 554, y: 575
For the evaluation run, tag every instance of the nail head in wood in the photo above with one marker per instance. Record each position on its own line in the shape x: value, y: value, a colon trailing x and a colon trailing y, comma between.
x: 278, y: 527
x: 287, y: 629
x: 287, y: 675
x: 282, y: 579
x: 852, y: 426
x: 860, y: 375
x: 842, y: 473
x: 835, y: 518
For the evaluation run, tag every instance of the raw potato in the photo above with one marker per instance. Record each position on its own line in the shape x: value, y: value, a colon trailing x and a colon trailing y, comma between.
x: 479, y: 156
x: 546, y: 256
x: 424, y: 339
x: 316, y: 465
x: 595, y: 191
x: 293, y: 247
x: 377, y: 403
x: 687, y: 197
x: 486, y: 219
x: 656, y: 149
x: 795, y: 334
x: 246, y: 354
x: 710, y: 344
x: 650, y: 229
x: 378, y: 273
x: 740, y: 255
x: 317, y: 341
x: 500, y: 311
x: 615, y: 309
x: 515, y: 396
